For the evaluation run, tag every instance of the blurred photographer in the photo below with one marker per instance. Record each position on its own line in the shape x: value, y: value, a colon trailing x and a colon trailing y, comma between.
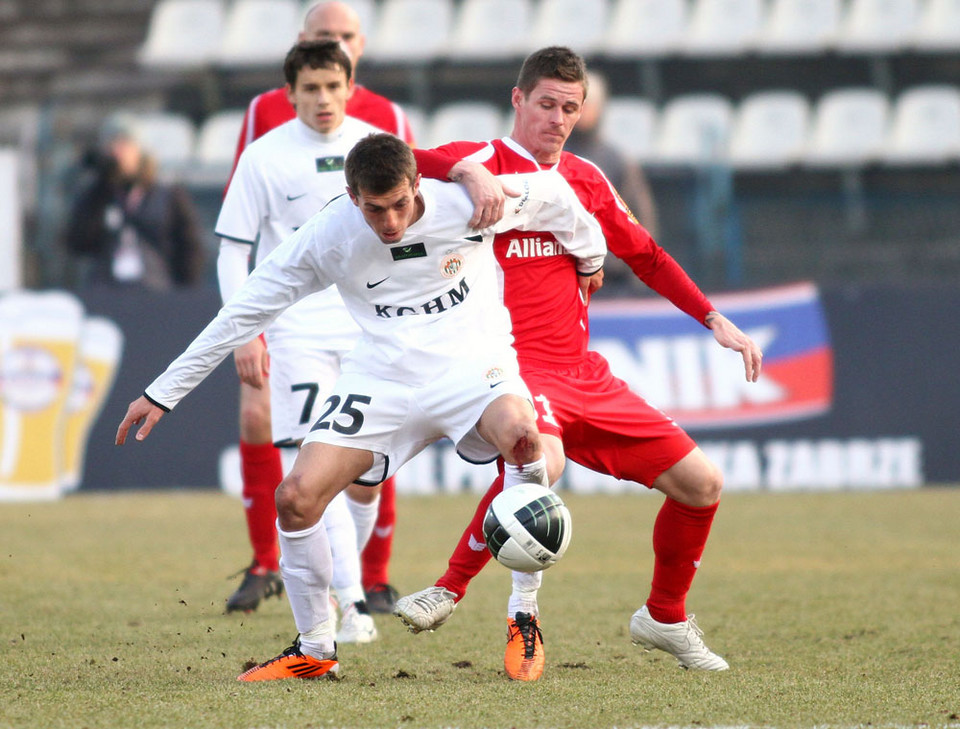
x: 126, y: 227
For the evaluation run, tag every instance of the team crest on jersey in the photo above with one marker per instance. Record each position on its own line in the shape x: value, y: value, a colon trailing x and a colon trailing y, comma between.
x: 450, y: 265
x: 493, y: 375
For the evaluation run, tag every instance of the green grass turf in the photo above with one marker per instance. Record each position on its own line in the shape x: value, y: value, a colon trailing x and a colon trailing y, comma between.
x: 834, y: 610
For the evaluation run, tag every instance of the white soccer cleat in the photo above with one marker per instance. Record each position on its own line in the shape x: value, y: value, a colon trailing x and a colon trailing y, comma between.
x: 356, y: 625
x: 427, y: 609
x: 684, y: 641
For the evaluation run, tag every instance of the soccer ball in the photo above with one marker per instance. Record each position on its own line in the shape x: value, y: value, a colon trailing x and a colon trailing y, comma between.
x: 527, y: 528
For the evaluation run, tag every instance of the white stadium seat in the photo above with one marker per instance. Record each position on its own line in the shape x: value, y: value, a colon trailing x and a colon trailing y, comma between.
x: 644, y: 28
x: 473, y: 121
x: 694, y: 129
x: 574, y: 23
x: 938, y: 28
x: 259, y: 32
x: 183, y: 33
x: 849, y: 128
x: 491, y: 29
x: 411, y: 31
x: 217, y: 139
x: 167, y: 136
x: 629, y: 123
x: 417, y: 118
x: 722, y: 27
x: 926, y: 126
x: 799, y: 26
x: 769, y: 131
x: 877, y: 26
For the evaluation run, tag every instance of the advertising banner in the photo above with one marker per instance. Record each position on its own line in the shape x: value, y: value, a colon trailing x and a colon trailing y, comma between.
x: 860, y: 390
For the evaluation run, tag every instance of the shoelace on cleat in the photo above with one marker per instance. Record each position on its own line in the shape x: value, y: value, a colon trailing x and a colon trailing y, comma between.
x: 529, y: 631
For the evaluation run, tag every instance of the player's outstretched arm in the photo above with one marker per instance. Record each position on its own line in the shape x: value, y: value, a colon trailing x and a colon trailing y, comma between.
x: 729, y: 335
x: 143, y: 411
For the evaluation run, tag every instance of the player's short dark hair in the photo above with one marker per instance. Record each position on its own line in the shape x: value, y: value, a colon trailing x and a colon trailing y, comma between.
x: 378, y: 163
x: 315, y: 54
x: 555, y: 62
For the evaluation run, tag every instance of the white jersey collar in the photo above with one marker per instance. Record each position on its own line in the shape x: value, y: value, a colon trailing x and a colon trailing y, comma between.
x: 522, y: 151
x: 313, y: 135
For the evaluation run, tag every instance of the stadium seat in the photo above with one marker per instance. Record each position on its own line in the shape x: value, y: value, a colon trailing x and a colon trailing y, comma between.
x: 645, y: 28
x: 722, y: 27
x: 411, y: 31
x: 799, y: 27
x: 217, y: 139
x: 629, y: 124
x: 258, y: 32
x: 491, y: 29
x: 938, y: 28
x: 574, y: 23
x: 166, y: 136
x: 769, y: 130
x: 417, y: 118
x: 925, y: 127
x: 877, y: 26
x: 694, y: 129
x: 473, y: 121
x: 848, y: 128
x: 182, y: 33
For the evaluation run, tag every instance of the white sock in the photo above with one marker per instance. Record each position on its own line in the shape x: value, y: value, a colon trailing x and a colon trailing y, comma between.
x: 535, y: 472
x: 342, y: 535
x: 306, y: 566
x: 523, y: 599
x: 364, y: 518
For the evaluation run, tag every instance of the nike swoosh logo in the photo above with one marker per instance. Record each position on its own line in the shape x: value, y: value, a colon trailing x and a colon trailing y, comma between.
x: 475, y: 544
x: 494, y: 384
x: 383, y: 532
x: 291, y: 198
x: 374, y: 285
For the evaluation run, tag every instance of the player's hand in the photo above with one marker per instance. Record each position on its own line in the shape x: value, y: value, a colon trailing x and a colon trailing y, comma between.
x: 728, y: 335
x: 143, y: 411
x: 589, y: 284
x: 488, y: 194
x: 252, y: 362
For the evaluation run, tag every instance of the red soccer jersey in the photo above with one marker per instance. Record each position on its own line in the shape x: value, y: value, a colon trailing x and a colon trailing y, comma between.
x: 541, y: 290
x: 271, y: 109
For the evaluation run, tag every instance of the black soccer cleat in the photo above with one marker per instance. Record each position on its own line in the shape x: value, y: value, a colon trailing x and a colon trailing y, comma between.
x: 381, y: 598
x: 258, y: 584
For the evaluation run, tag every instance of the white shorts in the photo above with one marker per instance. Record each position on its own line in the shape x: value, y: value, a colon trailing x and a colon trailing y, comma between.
x: 396, y: 421
x: 301, y: 379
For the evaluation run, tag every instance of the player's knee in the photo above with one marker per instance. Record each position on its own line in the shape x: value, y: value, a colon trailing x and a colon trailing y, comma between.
x: 710, y: 485
x: 297, y: 508
x: 255, y: 421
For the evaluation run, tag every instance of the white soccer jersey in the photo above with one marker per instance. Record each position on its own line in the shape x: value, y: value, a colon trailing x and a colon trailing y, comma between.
x: 424, y: 304
x: 282, y: 179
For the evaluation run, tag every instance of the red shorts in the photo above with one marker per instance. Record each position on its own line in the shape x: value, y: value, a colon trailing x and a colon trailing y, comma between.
x: 603, y: 424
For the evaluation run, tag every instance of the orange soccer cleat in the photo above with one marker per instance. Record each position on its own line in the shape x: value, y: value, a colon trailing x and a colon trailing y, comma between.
x: 524, y: 657
x: 293, y: 664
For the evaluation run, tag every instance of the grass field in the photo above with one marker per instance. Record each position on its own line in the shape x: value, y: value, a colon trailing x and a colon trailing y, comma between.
x: 834, y: 610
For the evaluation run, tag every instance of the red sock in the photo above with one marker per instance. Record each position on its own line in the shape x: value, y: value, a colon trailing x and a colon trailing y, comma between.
x: 262, y: 473
x: 679, y: 536
x: 375, y: 558
x: 471, y: 553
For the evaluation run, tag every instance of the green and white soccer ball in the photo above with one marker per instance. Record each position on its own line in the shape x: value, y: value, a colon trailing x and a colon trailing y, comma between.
x: 527, y: 528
